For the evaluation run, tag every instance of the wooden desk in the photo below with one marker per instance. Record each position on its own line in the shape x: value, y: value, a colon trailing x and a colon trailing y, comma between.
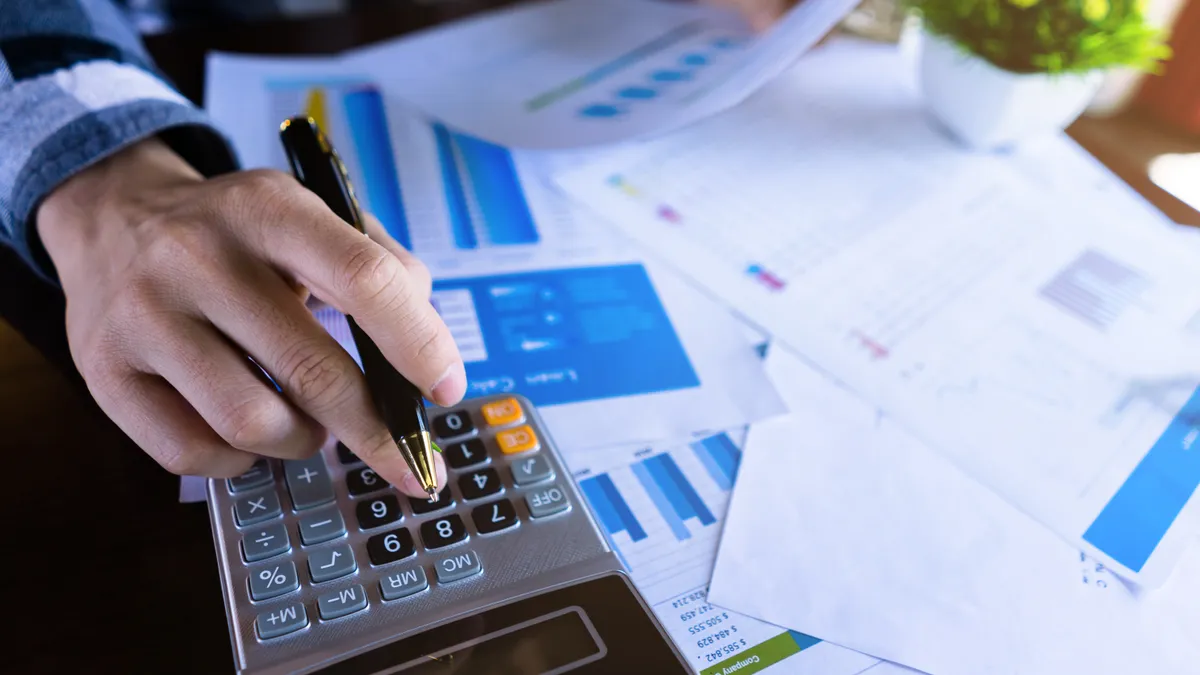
x: 106, y: 571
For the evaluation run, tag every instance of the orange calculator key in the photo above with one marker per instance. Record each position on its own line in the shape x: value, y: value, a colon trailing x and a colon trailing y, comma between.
x: 503, y: 412
x: 521, y: 439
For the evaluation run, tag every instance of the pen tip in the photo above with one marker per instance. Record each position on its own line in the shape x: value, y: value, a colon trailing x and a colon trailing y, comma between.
x: 433, y: 494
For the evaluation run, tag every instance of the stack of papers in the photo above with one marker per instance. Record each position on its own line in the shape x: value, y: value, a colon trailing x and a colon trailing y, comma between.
x: 969, y: 447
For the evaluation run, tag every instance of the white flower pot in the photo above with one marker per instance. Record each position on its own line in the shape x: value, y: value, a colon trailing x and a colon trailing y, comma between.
x: 987, y: 108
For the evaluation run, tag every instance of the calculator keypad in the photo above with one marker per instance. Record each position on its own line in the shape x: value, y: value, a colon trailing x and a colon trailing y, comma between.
x: 401, y: 547
x: 331, y: 563
x: 480, y: 484
x: 308, y: 482
x: 377, y: 512
x: 273, y: 579
x: 281, y: 621
x: 443, y: 532
x: 258, y: 476
x: 460, y: 565
x: 322, y: 525
x: 494, y: 516
x: 265, y: 542
x: 390, y: 546
x: 403, y: 583
x: 340, y: 602
x: 364, y: 480
x: 444, y: 501
x: 457, y: 423
x: 465, y: 454
x: 257, y: 507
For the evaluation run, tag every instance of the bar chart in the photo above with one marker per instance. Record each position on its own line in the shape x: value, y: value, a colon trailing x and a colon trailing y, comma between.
x: 483, y: 200
x: 677, y: 501
x: 483, y: 192
x: 661, y: 510
x: 352, y: 114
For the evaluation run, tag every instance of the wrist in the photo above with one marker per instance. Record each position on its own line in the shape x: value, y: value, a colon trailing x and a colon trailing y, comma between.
x: 120, y: 190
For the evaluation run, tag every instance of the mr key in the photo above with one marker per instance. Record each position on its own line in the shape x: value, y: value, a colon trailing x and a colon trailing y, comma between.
x: 327, y: 568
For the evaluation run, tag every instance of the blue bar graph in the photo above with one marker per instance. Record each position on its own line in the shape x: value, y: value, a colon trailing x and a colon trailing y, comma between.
x: 367, y: 120
x: 483, y: 191
x: 661, y: 501
x: 456, y: 198
x: 610, y: 507
x: 720, y: 458
x: 672, y: 494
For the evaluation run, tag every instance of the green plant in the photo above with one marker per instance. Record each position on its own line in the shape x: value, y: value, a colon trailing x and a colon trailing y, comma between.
x: 1055, y: 36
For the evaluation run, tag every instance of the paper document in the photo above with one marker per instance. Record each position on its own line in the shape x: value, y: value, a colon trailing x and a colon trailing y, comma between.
x: 661, y: 508
x: 1045, y: 343
x: 541, y: 298
x: 845, y: 527
x: 570, y: 73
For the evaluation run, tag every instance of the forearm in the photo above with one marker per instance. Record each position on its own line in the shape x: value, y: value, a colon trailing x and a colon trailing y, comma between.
x: 76, y: 86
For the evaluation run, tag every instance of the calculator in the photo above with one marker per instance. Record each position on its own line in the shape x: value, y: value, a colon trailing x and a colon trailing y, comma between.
x: 326, y: 568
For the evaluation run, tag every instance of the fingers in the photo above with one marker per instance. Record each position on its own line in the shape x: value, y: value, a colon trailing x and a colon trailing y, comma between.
x: 168, y: 429
x: 366, y: 280
x: 421, y: 279
x: 258, y: 312
x: 222, y: 386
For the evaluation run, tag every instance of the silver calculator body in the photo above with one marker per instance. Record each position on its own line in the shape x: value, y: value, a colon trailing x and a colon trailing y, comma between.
x: 327, y: 569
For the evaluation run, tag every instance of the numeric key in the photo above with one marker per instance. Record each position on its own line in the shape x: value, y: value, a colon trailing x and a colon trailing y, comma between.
x: 364, y: 480
x: 457, y: 423
x: 420, y: 506
x: 466, y: 453
x: 346, y: 456
x: 378, y: 512
x: 390, y: 546
x: 444, y: 531
x: 494, y: 516
x: 480, y: 484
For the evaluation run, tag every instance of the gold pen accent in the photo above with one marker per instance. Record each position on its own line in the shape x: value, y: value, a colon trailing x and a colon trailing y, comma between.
x: 421, y: 460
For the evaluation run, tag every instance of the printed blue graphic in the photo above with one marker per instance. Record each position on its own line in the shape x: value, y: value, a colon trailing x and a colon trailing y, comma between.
x: 600, y: 110
x: 670, y: 76
x: 610, y: 507
x: 367, y: 121
x: 672, y: 494
x: 1138, y: 516
x: 637, y: 93
x: 483, y: 192
x: 694, y: 60
x: 564, y: 336
x: 720, y: 458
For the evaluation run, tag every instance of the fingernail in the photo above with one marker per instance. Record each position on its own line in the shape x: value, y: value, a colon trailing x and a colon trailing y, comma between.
x: 451, y: 386
x: 412, y: 486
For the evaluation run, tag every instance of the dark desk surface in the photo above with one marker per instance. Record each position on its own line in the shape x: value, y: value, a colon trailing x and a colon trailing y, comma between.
x: 105, y: 571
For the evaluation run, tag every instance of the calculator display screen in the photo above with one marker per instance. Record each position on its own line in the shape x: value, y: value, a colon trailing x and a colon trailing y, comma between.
x: 565, y: 638
x: 595, y: 627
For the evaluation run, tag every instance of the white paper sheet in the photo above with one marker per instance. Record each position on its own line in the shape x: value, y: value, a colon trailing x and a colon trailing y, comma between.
x: 571, y: 73
x: 845, y: 527
x: 541, y: 298
x: 1039, y: 332
x: 670, y: 555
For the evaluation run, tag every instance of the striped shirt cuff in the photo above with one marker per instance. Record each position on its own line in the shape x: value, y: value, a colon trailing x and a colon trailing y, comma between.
x: 54, y: 126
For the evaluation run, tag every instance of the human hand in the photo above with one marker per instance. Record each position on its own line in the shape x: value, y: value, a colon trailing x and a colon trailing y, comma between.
x: 761, y: 14
x: 174, y: 282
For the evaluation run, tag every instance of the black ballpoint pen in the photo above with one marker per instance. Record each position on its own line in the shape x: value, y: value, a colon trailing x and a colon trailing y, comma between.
x: 399, y: 402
